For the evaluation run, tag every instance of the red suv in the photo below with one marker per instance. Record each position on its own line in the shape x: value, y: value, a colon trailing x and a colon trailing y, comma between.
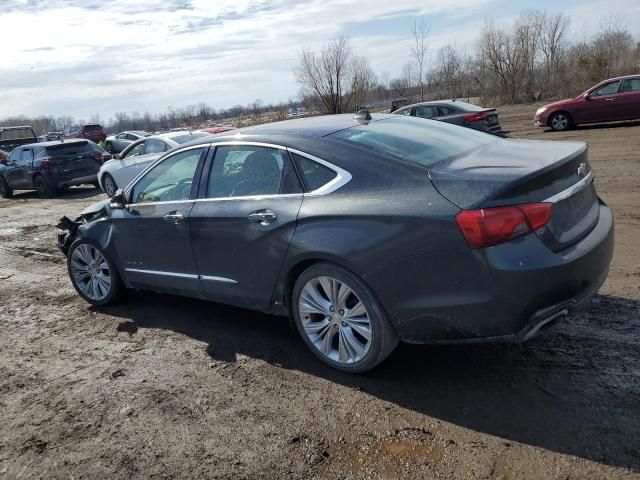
x: 90, y: 131
x: 613, y: 100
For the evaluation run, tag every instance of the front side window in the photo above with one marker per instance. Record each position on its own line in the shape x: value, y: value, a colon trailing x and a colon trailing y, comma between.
x: 631, y: 85
x: 608, y: 89
x: 314, y: 174
x: 122, y: 136
x: 15, y: 155
x: 27, y: 156
x: 244, y: 170
x: 170, y: 180
x: 403, y: 111
x: 135, y: 150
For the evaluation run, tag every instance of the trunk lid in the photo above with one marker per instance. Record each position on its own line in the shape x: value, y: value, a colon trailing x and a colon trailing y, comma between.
x: 511, y: 172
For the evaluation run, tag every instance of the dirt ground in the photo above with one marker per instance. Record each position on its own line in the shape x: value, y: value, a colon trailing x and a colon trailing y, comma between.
x: 167, y: 387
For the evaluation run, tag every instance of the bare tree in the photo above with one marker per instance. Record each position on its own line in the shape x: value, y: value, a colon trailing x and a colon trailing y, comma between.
x: 364, y: 80
x: 420, y: 31
x: 553, y: 45
x: 328, y: 75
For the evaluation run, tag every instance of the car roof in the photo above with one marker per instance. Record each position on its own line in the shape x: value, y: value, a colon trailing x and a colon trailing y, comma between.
x: 318, y: 126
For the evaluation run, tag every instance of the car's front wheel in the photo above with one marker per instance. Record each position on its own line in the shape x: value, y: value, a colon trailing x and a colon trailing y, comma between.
x: 340, y: 319
x: 109, y: 184
x: 560, y: 121
x: 92, y: 273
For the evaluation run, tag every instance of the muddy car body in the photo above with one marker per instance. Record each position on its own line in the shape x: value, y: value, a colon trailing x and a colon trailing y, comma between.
x: 363, y: 232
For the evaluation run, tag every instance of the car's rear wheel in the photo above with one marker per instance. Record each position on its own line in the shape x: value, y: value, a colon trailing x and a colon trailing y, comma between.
x: 109, y: 184
x: 560, y: 121
x: 92, y: 273
x: 43, y: 188
x: 5, y: 190
x: 340, y: 319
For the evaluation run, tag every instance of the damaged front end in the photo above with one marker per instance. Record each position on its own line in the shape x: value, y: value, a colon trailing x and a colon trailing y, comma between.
x: 73, y: 228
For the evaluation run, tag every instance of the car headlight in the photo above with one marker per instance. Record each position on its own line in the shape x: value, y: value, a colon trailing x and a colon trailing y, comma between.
x: 541, y: 110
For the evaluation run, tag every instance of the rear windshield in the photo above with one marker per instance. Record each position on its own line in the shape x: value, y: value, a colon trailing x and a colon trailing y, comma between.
x: 66, y: 148
x: 415, y: 139
x: 92, y: 128
x: 17, y: 134
x: 188, y: 137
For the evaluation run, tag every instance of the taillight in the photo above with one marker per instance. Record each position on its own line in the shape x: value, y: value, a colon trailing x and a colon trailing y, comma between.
x: 474, y: 117
x: 491, y: 226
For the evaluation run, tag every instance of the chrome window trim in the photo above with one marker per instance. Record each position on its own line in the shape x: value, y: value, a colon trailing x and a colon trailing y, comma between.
x: 573, y: 189
x: 341, y: 179
x: 191, y: 276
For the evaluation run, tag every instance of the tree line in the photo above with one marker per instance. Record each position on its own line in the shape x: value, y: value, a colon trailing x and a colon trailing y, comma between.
x: 533, y: 58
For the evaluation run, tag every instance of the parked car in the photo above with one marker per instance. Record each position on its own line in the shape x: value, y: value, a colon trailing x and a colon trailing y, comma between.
x: 366, y: 232
x: 456, y: 112
x: 136, y: 157
x: 12, y: 137
x: 48, y: 167
x: 613, y: 100
x: 117, y: 143
x: 216, y: 130
x: 90, y: 131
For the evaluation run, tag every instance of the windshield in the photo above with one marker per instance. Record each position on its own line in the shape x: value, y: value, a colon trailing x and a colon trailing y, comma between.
x: 414, y: 139
x: 188, y: 137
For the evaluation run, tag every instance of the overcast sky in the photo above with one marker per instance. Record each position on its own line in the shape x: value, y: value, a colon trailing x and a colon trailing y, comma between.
x: 79, y: 57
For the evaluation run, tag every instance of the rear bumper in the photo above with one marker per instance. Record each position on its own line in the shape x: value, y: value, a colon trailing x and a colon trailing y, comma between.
x: 502, y: 293
x: 68, y: 181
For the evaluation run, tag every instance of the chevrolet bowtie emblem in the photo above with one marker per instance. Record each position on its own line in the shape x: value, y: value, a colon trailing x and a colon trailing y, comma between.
x: 582, y: 169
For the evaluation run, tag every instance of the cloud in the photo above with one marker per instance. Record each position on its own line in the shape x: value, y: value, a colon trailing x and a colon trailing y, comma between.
x: 90, y: 55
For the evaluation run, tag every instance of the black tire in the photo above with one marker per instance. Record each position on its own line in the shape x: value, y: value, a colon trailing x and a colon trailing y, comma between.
x: 5, y: 190
x: 43, y: 188
x: 383, y: 340
x: 109, y: 148
x: 116, y: 287
x: 560, y: 121
x: 108, y: 180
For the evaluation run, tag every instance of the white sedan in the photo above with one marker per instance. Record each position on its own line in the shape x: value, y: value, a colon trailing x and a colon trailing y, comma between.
x: 124, y: 167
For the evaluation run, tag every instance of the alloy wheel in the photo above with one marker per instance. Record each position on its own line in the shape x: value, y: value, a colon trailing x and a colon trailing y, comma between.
x: 109, y: 185
x: 335, y: 320
x: 90, y: 271
x: 559, y: 122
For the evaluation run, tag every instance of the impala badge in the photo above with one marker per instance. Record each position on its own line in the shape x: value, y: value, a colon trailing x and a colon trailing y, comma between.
x: 582, y: 169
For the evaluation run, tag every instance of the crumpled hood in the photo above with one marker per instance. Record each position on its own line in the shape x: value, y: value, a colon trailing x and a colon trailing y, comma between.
x: 96, y: 207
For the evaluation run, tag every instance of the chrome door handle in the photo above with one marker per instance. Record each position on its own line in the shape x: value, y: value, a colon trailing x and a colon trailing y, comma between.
x: 609, y: 99
x: 174, y: 217
x: 263, y: 217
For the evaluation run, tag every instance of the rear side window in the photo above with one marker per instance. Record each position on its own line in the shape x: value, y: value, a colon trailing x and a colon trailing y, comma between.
x: 155, y: 146
x: 442, y: 110
x: 313, y: 174
x: 414, y: 139
x: 246, y: 170
x: 426, y: 111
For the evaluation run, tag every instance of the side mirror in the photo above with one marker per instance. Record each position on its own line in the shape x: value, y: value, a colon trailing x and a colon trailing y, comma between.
x: 587, y: 96
x: 115, y: 156
x: 3, y: 161
x: 117, y: 201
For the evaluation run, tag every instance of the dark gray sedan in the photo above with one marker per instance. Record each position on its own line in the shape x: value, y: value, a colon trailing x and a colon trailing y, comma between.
x: 365, y: 232
x: 456, y: 112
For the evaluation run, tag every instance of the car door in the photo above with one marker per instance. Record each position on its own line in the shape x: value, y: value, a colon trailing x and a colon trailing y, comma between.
x: 25, y: 167
x: 243, y: 222
x: 151, y: 234
x: 601, y: 105
x: 13, y: 165
x: 629, y: 98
